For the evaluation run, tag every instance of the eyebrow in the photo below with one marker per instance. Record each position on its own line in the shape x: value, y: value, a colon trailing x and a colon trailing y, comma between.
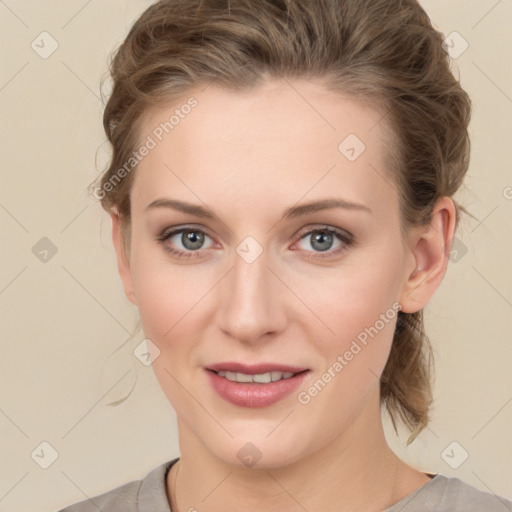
x: 291, y: 212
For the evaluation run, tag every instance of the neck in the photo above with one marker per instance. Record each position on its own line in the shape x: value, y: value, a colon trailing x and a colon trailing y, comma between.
x: 356, y: 471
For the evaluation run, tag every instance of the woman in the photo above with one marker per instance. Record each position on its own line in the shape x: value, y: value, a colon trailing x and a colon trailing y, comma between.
x: 281, y: 199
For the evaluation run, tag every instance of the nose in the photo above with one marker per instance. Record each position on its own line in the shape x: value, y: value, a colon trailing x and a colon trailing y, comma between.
x: 252, y: 305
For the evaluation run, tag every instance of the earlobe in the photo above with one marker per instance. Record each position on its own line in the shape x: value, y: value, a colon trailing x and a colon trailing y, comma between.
x: 123, y: 261
x: 430, y: 247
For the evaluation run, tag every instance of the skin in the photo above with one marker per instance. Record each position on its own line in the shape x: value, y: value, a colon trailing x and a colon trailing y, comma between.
x: 247, y: 156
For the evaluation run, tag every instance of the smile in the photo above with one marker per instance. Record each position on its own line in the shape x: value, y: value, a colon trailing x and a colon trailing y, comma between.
x: 254, y: 386
x: 259, y: 378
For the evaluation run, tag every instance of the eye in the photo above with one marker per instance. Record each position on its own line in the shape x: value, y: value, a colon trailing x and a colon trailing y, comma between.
x: 189, y: 241
x: 322, y: 240
x: 185, y: 242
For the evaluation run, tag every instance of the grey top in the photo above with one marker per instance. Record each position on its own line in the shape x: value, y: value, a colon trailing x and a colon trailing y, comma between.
x: 441, y: 494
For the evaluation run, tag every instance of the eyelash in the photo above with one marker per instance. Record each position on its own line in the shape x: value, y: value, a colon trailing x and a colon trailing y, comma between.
x: 344, y: 236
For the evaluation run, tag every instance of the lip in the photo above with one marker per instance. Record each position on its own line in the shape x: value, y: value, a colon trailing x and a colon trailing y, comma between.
x: 254, y: 395
x: 253, y: 369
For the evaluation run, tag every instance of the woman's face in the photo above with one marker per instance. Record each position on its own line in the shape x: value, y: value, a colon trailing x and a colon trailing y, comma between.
x: 229, y: 277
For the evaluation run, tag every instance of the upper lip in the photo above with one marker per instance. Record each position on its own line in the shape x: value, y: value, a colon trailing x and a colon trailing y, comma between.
x: 253, y: 369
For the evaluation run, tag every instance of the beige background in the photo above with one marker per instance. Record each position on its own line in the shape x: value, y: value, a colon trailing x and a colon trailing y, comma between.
x: 62, y: 320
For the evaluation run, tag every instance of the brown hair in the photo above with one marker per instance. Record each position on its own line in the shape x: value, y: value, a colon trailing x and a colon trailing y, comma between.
x: 385, y: 52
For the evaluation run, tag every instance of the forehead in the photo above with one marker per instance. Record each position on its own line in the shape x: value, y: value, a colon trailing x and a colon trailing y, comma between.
x: 286, y: 137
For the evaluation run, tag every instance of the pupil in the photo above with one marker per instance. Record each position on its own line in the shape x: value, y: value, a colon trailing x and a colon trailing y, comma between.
x: 192, y: 239
x: 322, y: 237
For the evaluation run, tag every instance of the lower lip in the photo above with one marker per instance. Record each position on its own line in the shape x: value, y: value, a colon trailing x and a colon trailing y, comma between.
x: 253, y: 395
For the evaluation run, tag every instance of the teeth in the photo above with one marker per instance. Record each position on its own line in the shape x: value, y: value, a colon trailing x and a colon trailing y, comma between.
x: 260, y: 378
x: 241, y: 377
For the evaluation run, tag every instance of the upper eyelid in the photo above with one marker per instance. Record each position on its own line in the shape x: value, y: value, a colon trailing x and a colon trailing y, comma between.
x: 320, y: 227
x: 166, y: 232
x: 299, y: 234
x: 170, y: 232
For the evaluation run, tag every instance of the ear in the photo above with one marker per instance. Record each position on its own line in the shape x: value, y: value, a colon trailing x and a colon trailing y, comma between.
x: 123, y: 262
x: 429, y: 248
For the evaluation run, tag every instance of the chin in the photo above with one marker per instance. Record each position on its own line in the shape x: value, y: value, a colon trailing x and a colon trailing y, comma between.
x: 258, y: 451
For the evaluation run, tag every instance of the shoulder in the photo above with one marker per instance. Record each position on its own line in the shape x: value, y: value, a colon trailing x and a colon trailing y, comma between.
x: 121, y: 498
x: 470, y: 499
x: 450, y: 494
x: 134, y: 496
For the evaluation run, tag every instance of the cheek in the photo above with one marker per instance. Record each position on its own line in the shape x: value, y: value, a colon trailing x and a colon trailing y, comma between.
x: 165, y: 302
x: 170, y: 297
x: 155, y: 301
x: 352, y: 299
x: 160, y: 293
x: 165, y: 307
x: 363, y: 319
x: 359, y: 306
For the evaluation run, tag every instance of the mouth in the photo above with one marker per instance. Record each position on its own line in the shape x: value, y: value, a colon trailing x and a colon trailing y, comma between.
x: 262, y: 373
x: 258, y: 385
x: 258, y: 378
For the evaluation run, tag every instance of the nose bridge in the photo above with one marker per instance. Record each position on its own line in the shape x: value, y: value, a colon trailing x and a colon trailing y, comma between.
x: 251, y: 308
